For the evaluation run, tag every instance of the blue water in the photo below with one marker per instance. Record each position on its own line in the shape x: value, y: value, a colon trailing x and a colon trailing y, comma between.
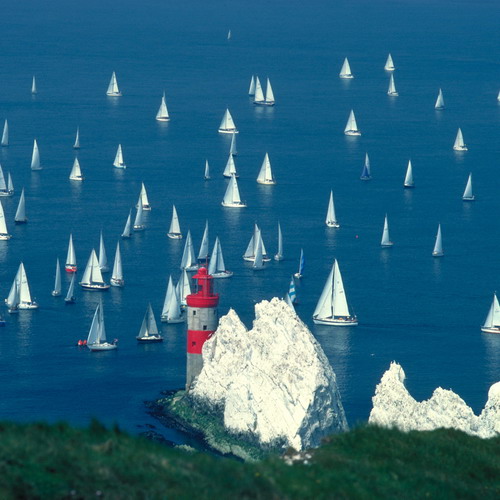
x: 424, y: 313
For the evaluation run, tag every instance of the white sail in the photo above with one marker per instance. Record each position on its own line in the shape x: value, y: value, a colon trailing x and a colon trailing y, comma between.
x: 119, y: 162
x: 92, y: 273
x: 468, y: 196
x: 389, y: 64
x: 149, y: 328
x: 127, y: 230
x: 4, y: 234
x: 70, y: 296
x: 162, y: 114
x: 33, y: 86
x: 3, y: 185
x: 138, y: 222
x: 117, y: 275
x: 227, y: 125
x: 259, y: 94
x: 251, y: 88
x: 10, y: 184
x: 269, y: 93
x: 12, y: 299
x: 438, y: 246
x: 279, y: 254
x: 230, y: 167
x: 217, y: 266
x: 232, y: 197
x: 20, y: 216
x: 5, y: 134
x: 26, y: 302
x: 76, y: 171
x: 392, y: 87
x: 183, y: 287
x: 97, y: 332
x: 408, y: 182
x: 175, y: 228
x: 265, y: 174
x: 171, y: 312
x: 206, y: 175
x: 35, y: 157
x: 459, y: 142
x: 188, y: 260
x: 345, y: 71
x: 71, y: 257
x: 439, y: 101
x: 57, y: 281
x: 143, y: 198
x: 331, y: 218
x: 492, y: 321
x: 103, y: 258
x: 76, y: 145
x: 113, y: 89
x: 232, y: 149
x: 351, y: 127
x: 204, y: 247
x: 258, y: 262
x: 386, y: 239
x: 251, y: 250
x: 366, y: 172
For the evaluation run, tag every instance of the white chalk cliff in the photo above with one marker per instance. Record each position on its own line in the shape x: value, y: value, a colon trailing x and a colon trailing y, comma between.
x: 273, y: 382
x: 393, y: 406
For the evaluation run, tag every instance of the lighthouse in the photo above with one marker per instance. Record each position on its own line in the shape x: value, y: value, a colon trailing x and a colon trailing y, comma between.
x: 202, y: 320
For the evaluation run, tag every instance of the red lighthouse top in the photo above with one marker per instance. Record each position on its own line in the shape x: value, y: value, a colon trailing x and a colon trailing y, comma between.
x: 204, y: 296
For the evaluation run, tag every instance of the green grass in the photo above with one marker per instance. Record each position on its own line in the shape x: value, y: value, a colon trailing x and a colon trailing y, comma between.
x: 57, y: 461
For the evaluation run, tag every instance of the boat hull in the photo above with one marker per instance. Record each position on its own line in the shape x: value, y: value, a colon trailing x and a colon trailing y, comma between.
x: 228, y: 131
x: 222, y: 275
x: 121, y: 167
x: 278, y: 257
x: 468, y: 198
x: 251, y: 259
x: 387, y: 245
x: 336, y: 321
x: 346, y: 77
x: 332, y: 224
x: 264, y: 103
x: 298, y: 276
x: 175, y: 236
x: 234, y: 205
x: 437, y: 254
x: 5, y: 237
x: 70, y: 268
x: 150, y: 339
x: 460, y: 148
x: 352, y: 132
x: 392, y: 94
x: 117, y: 282
x: 408, y: 186
x: 490, y: 329
x: 162, y: 119
x: 114, y: 94
x: 173, y: 321
x: 55, y: 294
x: 139, y: 228
x: 93, y: 287
x: 267, y: 183
x: 106, y: 346
x: 28, y: 305
x: 80, y: 178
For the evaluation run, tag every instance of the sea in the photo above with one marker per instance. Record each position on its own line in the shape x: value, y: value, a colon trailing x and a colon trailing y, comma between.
x: 422, y: 312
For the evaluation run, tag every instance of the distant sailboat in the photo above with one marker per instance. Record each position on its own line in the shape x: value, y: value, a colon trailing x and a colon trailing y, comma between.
x: 227, y: 125
x: 459, y: 142
x: 34, y: 90
x: 302, y: 264
x: 279, y: 254
x: 468, y: 196
x: 217, y: 266
x: 233, y: 149
x: 492, y: 322
x: 206, y: 175
x: 265, y: 174
x: 103, y: 258
x: 119, y: 162
x: 332, y: 308
x: 351, y: 127
x: 162, y: 114
x: 57, y: 282
x: 292, y: 294
x: 35, y: 157
x: 259, y: 93
x: 113, y: 90
x: 172, y: 312
x: 270, y: 100
x: 92, y: 277
x: 127, y: 230
x: 438, y: 246
x: 251, y: 250
x: 229, y: 35
x: 392, y: 87
x: 76, y: 171
x: 251, y: 88
x: 5, y: 134
x: 389, y: 64
x: 345, y: 71
x: 117, y: 275
x: 175, y: 229
x: 20, y: 217
x: 366, y: 174
x: 70, y: 296
x: 76, y: 145
x: 258, y: 262
x: 232, y: 196
x: 138, y: 222
x: 259, y: 98
x: 386, y: 239
x: 230, y: 168
x: 143, y: 198
x: 183, y: 288
x: 4, y: 190
x: 189, y: 262
x: 149, y: 329
x: 331, y: 218
x: 408, y: 182
x: 4, y: 234
x: 439, y: 101
x: 96, y: 340
x: 204, y: 247
x: 70, y: 266
x: 10, y: 185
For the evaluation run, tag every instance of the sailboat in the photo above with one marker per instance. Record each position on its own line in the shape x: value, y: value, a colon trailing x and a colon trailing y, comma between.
x: 119, y: 162
x: 438, y: 246
x: 227, y: 125
x: 117, y: 275
x: 4, y: 191
x: 332, y: 308
x: 259, y: 93
x: 20, y: 217
x: 302, y: 264
x: 76, y: 145
x: 366, y: 173
x: 188, y: 261
x: 206, y: 175
x: 204, y: 247
x: 34, y: 90
x: 35, y: 157
x: 232, y: 197
x: 138, y: 222
x: 266, y: 175
x: 230, y: 167
x: 468, y: 196
x: 439, y: 101
x: 389, y: 64
x: 270, y: 100
x: 292, y: 294
x: 408, y: 182
x: 113, y: 90
x: 251, y: 250
x: 392, y: 87
x: 459, y: 142
x: 76, y: 171
x: 229, y: 35
x: 386, y: 240
x: 5, y: 134
x: 13, y: 299
x: 217, y: 267
x: 149, y: 329
x: 492, y: 321
x: 96, y: 341
x: 103, y: 258
x: 70, y: 296
x: 70, y: 266
x: 259, y: 98
x: 127, y: 230
x: 162, y: 114
x: 258, y: 261
x: 92, y: 277
x: 183, y: 288
x: 21, y: 281
x: 172, y: 312
x: 279, y: 254
x: 10, y: 185
x: 143, y: 198
x: 251, y: 88
x: 4, y: 234
x: 331, y: 219
x: 232, y: 149
x: 57, y: 283
x: 345, y: 71
x: 175, y: 229
x: 351, y: 127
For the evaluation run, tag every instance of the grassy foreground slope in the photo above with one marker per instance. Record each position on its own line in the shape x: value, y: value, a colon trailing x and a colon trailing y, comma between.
x: 57, y: 461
